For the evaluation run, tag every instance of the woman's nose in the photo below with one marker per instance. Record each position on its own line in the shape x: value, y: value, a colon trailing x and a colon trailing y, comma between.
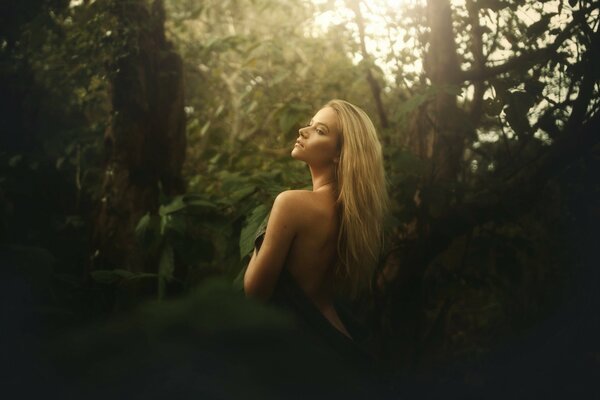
x: 302, y: 132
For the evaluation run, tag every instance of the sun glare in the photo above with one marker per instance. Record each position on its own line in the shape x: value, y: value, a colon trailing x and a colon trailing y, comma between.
x: 375, y: 16
x: 385, y: 43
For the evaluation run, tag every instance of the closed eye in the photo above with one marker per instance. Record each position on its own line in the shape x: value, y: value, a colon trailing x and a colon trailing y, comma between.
x: 320, y: 131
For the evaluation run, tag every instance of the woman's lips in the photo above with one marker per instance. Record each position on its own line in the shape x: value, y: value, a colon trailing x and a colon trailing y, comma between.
x: 299, y: 144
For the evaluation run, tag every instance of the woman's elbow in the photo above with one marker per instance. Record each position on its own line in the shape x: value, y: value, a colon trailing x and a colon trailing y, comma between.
x: 255, y: 290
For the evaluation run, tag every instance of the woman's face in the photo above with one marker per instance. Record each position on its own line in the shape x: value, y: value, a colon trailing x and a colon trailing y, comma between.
x: 318, y: 142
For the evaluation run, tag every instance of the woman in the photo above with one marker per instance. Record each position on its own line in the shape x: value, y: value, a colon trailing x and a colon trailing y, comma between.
x: 325, y: 242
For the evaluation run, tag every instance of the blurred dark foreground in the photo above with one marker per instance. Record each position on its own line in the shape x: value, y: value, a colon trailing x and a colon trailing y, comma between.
x: 215, y: 344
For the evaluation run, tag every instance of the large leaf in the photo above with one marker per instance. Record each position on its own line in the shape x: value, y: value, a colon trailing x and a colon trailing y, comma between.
x: 177, y: 204
x: 188, y: 203
x: 257, y: 218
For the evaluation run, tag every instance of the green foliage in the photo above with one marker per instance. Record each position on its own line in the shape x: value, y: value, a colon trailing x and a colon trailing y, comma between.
x: 202, y: 343
x: 249, y: 86
x: 254, y: 88
x: 405, y: 170
x: 180, y: 229
x: 425, y: 95
x: 234, y: 313
x: 256, y: 219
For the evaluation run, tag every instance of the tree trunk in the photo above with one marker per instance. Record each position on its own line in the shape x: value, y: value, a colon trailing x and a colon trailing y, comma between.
x: 145, y: 141
x: 434, y: 133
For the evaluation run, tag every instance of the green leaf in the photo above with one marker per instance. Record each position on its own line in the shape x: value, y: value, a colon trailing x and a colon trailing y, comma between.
x: 187, y: 202
x: 257, y: 218
x: 166, y: 268
x: 204, y: 128
x: 197, y: 201
x: 176, y: 224
x: 164, y: 222
x: 242, y: 193
x: 116, y: 276
x: 147, y: 231
x: 177, y: 204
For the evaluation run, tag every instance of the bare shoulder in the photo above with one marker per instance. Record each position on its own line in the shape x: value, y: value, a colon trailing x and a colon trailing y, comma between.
x: 304, y: 206
x: 299, y: 201
x: 293, y: 197
x: 297, y: 205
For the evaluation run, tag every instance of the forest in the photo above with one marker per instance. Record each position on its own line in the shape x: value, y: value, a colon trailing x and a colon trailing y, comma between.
x: 144, y: 142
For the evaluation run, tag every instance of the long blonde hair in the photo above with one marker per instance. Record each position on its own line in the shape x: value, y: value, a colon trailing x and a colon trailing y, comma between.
x: 362, y: 198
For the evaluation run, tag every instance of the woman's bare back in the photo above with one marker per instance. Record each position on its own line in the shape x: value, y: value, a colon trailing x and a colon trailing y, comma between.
x: 313, y: 253
x: 301, y: 236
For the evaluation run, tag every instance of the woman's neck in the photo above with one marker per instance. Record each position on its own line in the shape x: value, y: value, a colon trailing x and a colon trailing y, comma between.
x: 326, y: 185
x: 323, y: 179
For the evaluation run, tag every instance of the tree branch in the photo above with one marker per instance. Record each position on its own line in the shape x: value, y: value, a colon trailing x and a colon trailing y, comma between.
x: 492, y: 204
x: 478, y: 60
x: 524, y: 60
x: 373, y: 84
x: 586, y: 88
x: 524, y: 187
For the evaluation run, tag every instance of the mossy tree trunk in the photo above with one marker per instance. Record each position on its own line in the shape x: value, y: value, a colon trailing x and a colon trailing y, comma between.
x: 145, y: 140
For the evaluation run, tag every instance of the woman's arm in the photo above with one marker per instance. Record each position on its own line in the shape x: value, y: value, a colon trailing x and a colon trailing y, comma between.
x: 265, y: 265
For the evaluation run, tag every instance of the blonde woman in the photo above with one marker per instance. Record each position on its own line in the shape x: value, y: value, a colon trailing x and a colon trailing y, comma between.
x: 322, y: 243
